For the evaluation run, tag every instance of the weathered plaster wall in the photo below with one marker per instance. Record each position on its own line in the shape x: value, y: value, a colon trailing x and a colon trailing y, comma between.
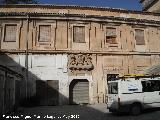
x: 52, y: 67
x: 50, y: 61
x: 62, y: 37
x: 41, y: 67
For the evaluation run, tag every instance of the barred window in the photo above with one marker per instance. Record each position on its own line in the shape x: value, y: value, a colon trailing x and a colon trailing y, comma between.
x: 44, y: 33
x: 10, y: 33
x: 111, y: 35
x: 79, y: 34
x: 139, y: 37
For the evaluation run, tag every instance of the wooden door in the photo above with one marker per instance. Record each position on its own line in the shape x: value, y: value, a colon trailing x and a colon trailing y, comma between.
x: 52, y: 92
x: 47, y: 92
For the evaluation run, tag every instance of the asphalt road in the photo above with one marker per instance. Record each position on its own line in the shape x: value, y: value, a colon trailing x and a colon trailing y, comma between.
x: 76, y: 112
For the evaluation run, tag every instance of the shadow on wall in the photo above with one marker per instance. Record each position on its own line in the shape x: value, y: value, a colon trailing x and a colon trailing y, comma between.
x: 47, y: 93
x: 34, y: 91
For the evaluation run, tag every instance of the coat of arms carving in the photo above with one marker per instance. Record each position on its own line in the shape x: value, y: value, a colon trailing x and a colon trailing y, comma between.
x: 80, y: 62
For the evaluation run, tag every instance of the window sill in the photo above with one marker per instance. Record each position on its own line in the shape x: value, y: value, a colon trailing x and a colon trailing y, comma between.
x: 113, y: 45
x: 80, y: 42
x: 43, y: 43
x: 9, y: 41
x: 140, y: 45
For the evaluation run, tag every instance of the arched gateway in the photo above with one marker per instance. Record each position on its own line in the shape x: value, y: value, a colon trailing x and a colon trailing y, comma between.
x: 79, y: 91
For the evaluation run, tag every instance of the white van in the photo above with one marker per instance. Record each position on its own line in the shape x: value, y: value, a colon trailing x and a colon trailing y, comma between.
x: 133, y: 95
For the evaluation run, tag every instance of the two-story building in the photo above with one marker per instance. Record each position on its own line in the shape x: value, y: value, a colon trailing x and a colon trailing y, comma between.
x: 66, y: 53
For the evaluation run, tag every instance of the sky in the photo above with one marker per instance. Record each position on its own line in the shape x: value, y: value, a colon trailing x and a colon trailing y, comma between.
x: 125, y: 4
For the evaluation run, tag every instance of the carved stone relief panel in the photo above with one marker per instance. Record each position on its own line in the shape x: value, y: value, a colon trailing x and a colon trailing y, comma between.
x: 80, y: 62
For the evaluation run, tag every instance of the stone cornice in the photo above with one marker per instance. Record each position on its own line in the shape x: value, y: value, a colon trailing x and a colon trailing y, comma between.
x: 77, y: 52
x: 98, y: 18
x: 53, y: 6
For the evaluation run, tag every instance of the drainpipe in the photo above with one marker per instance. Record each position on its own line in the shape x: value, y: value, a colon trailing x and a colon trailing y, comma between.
x: 4, y: 80
x: 26, y: 57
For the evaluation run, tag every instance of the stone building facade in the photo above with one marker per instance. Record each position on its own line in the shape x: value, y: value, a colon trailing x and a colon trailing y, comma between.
x: 66, y: 53
x: 151, y: 5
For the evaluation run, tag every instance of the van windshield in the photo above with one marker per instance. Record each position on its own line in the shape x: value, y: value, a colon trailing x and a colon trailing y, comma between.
x: 113, y: 88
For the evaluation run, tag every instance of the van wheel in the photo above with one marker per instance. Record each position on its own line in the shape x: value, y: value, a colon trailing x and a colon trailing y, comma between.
x: 135, y: 109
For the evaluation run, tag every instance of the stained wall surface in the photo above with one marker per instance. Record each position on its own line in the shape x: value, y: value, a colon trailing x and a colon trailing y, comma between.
x: 64, y: 60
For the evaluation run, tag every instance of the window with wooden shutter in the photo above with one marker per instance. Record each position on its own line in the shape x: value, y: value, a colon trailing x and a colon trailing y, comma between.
x: 111, y: 35
x: 44, y: 33
x: 10, y: 33
x: 79, y: 34
x: 139, y: 37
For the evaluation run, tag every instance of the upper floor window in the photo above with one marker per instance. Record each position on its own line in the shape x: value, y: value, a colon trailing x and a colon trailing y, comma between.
x: 111, y: 35
x: 139, y: 37
x: 79, y: 34
x: 10, y: 33
x: 44, y: 33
